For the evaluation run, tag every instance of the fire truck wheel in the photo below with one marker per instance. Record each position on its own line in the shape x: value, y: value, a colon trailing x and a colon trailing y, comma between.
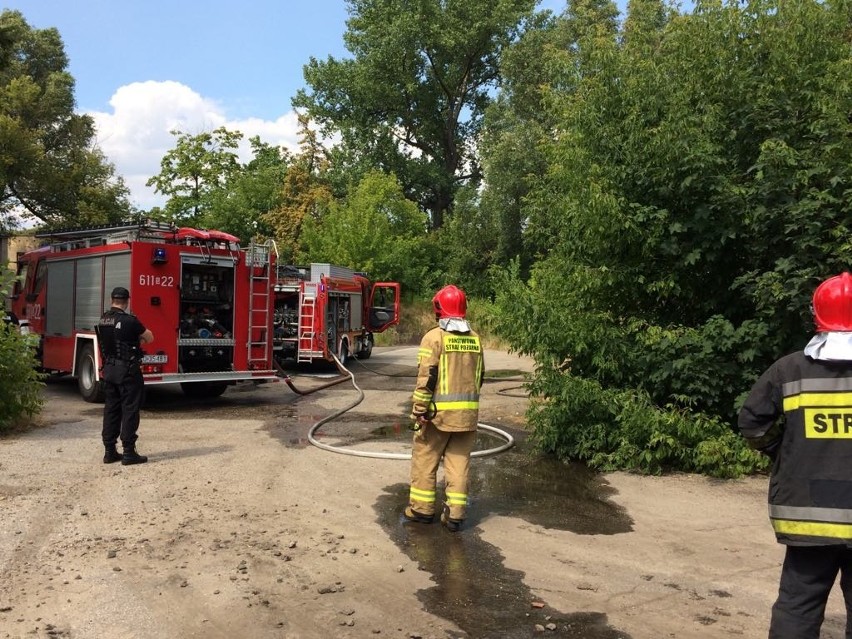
x: 203, y: 390
x: 365, y: 352
x: 344, y: 352
x: 90, y: 388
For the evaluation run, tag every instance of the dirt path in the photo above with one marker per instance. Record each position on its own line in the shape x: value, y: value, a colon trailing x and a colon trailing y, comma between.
x: 238, y: 527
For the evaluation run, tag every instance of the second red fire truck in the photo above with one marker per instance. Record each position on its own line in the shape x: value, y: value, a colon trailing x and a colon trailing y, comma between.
x: 324, y: 310
x: 219, y: 313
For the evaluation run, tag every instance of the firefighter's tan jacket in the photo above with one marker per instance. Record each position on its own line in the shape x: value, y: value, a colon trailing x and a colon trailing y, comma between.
x: 449, y: 376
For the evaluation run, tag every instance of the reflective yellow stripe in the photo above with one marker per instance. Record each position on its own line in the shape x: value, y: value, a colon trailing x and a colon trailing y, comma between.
x: 423, y: 353
x: 458, y: 397
x: 444, y: 375
x: 817, y: 400
x: 423, y: 396
x: 457, y: 405
x: 417, y: 494
x: 812, y: 528
x: 457, y: 499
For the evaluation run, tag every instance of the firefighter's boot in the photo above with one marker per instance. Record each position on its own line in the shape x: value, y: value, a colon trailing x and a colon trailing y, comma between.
x: 415, y: 517
x: 453, y: 525
x: 131, y: 457
x: 111, y: 454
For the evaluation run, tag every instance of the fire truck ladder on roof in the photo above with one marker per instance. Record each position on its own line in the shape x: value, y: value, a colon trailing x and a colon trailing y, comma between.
x: 307, y: 306
x: 259, y: 258
x: 86, y: 237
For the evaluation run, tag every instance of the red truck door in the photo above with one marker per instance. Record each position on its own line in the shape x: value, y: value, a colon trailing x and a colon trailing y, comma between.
x: 383, y: 310
x: 29, y: 300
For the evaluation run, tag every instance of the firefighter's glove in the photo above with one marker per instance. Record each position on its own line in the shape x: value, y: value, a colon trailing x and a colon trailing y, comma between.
x: 418, y: 421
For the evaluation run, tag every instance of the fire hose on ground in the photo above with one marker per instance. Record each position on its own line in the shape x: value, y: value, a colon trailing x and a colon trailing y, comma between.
x: 346, y: 375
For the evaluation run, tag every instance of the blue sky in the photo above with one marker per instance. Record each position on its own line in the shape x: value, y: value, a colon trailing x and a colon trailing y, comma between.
x: 145, y: 67
x: 246, y: 55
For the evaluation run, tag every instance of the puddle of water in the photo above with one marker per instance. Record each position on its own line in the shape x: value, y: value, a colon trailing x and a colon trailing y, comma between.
x: 472, y: 586
x: 546, y: 492
x: 291, y: 423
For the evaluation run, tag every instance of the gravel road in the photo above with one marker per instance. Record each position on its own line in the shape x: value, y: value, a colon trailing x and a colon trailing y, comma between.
x: 239, y: 527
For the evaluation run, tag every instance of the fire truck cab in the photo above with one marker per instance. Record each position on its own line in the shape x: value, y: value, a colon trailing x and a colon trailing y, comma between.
x: 207, y: 301
x: 323, y: 310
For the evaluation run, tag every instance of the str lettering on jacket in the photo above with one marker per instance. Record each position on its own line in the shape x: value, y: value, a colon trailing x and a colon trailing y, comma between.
x: 828, y: 424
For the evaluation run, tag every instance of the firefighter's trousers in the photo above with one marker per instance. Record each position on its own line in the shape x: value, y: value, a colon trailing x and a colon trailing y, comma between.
x: 807, y: 577
x: 430, y: 445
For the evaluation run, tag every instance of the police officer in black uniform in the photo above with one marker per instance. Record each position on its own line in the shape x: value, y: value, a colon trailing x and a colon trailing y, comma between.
x: 121, y: 335
x: 799, y: 413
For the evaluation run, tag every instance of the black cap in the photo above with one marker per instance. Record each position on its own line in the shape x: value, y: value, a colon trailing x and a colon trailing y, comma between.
x: 120, y: 293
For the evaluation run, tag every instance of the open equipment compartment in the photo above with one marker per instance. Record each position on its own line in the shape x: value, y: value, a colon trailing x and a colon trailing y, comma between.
x: 206, y: 342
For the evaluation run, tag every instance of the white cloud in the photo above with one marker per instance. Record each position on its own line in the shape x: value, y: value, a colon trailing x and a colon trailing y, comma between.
x: 136, y: 135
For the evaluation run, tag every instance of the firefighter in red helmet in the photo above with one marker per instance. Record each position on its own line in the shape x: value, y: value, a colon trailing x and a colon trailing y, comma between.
x: 800, y: 414
x: 445, y: 411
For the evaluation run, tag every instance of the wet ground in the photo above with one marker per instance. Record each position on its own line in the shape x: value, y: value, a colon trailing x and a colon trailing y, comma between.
x: 472, y: 587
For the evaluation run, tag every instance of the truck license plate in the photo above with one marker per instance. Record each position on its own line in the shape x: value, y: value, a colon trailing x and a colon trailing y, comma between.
x: 155, y: 359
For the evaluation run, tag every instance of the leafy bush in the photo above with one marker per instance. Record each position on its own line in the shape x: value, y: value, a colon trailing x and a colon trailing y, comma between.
x: 679, y: 228
x: 20, y: 385
x: 625, y: 394
x: 575, y: 418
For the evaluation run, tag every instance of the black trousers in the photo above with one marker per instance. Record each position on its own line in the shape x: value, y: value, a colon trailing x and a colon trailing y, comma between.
x: 807, y: 577
x: 121, y: 409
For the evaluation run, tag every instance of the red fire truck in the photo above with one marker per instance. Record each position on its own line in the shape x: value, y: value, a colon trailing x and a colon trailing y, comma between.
x: 323, y: 310
x: 219, y: 313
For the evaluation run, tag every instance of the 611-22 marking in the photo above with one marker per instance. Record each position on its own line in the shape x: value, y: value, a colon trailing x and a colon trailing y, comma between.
x: 156, y: 280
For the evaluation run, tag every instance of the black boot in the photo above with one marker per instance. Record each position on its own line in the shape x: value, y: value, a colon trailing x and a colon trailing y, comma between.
x: 132, y: 457
x: 111, y: 454
x: 412, y: 515
x: 453, y: 525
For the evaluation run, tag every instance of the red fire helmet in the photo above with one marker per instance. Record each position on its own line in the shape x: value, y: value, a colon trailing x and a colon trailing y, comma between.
x: 832, y: 304
x: 450, y: 301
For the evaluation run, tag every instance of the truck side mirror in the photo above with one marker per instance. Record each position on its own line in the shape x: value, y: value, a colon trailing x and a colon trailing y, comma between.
x: 16, y: 290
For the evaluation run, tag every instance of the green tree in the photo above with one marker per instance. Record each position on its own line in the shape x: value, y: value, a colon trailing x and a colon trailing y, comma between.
x: 376, y: 229
x: 466, y: 246
x: 697, y: 189
x: 511, y: 158
x: 305, y: 192
x: 412, y: 97
x: 537, y: 70
x: 50, y: 168
x: 194, y: 173
x: 241, y: 204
